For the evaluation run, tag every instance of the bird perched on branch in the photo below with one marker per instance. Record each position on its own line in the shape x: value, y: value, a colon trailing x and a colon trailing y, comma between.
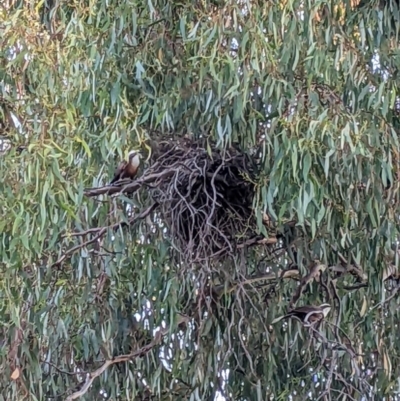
x: 307, y: 314
x: 127, y: 168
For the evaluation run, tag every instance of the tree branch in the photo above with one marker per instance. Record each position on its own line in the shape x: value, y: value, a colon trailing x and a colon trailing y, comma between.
x: 101, y: 231
x: 131, y: 186
x: 123, y: 358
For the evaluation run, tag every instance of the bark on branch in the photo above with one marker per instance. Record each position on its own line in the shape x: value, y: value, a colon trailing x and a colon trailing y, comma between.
x: 123, y: 358
x: 101, y: 231
x: 130, y: 186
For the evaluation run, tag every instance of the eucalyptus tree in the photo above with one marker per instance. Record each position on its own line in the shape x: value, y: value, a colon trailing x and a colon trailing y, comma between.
x: 268, y: 188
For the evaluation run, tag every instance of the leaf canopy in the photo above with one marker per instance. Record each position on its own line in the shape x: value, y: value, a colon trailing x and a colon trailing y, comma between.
x: 95, y: 302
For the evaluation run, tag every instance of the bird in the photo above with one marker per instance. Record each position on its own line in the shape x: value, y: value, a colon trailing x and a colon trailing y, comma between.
x: 307, y: 314
x: 127, y: 168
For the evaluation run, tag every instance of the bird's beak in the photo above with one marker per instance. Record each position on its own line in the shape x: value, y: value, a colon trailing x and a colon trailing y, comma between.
x: 326, y: 311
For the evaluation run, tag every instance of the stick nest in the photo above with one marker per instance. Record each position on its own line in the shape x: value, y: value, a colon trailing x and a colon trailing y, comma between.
x: 206, y: 202
x: 204, y: 197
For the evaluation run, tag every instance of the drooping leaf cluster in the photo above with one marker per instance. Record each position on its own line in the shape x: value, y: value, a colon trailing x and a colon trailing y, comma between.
x: 91, y: 284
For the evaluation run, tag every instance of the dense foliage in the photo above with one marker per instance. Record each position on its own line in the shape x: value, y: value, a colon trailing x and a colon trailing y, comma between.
x: 283, y: 123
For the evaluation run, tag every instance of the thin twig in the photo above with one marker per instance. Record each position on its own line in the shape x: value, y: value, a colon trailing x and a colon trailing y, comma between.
x: 102, y: 231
